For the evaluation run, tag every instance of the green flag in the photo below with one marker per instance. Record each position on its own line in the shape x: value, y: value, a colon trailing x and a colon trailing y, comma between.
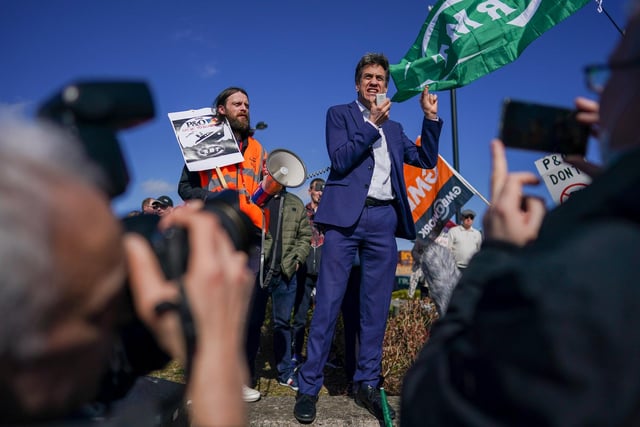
x: 462, y: 40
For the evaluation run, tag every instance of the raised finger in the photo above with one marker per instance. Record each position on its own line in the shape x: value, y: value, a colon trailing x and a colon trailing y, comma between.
x: 535, y: 212
x: 512, y: 190
x: 499, y: 168
x: 587, y: 105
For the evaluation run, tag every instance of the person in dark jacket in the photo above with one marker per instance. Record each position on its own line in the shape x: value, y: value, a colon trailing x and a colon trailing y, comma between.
x: 542, y: 328
x: 287, y: 250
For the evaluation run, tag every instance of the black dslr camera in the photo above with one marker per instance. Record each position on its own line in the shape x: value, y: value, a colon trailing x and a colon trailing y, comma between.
x: 95, y: 112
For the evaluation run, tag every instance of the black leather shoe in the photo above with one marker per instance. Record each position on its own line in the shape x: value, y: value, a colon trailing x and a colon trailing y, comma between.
x: 369, y: 398
x: 305, y: 409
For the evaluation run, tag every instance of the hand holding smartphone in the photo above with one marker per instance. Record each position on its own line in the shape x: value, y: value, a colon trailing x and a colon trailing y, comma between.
x: 538, y: 127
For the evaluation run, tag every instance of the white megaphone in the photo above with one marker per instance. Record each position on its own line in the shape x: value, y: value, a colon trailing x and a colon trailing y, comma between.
x: 285, y: 170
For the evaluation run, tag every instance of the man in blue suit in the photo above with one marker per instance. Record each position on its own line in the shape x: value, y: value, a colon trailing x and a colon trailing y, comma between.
x: 364, y: 208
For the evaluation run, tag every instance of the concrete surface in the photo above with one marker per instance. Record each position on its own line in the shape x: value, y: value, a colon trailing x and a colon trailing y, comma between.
x: 334, y: 411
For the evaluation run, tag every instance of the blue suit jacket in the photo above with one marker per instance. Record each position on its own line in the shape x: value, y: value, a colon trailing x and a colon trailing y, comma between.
x: 349, y: 142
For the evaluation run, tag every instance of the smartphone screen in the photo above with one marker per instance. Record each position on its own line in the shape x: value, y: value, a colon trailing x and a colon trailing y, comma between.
x: 538, y: 127
x: 380, y: 98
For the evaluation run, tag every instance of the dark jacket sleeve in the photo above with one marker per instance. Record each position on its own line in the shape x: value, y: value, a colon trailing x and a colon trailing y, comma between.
x: 541, y: 335
x: 189, y: 186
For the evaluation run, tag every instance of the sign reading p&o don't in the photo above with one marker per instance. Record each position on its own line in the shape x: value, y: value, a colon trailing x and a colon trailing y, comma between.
x: 561, y: 178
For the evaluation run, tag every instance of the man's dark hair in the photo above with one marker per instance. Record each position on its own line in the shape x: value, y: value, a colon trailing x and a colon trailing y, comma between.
x: 222, y: 97
x: 314, y: 181
x: 372, y: 59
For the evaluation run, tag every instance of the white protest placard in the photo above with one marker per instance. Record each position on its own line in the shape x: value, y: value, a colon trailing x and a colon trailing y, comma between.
x: 561, y: 178
x: 206, y: 141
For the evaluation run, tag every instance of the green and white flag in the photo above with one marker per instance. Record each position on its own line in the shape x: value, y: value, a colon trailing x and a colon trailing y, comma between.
x: 462, y: 40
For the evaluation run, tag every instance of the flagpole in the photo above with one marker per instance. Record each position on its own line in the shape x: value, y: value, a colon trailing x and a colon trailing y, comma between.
x: 454, y: 136
x: 465, y: 182
x: 454, y: 128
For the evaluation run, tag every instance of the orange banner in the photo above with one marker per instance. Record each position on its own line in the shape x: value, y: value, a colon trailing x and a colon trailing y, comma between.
x: 434, y: 196
x: 423, y: 185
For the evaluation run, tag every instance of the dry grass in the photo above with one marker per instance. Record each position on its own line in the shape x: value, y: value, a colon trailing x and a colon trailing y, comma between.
x: 172, y: 372
x: 406, y: 334
x: 407, y: 331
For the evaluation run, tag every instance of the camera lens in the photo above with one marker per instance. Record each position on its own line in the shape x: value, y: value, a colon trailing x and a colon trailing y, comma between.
x: 239, y: 227
x: 172, y: 246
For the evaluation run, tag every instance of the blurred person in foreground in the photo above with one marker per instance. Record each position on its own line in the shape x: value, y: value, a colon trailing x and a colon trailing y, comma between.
x: 65, y: 259
x: 364, y: 208
x: 542, y: 327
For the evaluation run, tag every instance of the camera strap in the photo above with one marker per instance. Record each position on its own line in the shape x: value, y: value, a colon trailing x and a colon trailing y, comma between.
x: 188, y: 329
x: 274, y: 246
x: 186, y: 321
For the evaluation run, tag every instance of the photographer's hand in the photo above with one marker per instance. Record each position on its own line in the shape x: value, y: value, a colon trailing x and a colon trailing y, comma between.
x: 218, y: 285
x: 149, y: 287
x: 588, y: 114
x: 511, y: 218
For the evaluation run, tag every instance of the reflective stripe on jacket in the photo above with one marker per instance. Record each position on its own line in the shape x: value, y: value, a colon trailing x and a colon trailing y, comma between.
x: 243, y: 177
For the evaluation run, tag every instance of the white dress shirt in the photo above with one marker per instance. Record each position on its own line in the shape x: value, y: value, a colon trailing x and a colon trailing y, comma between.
x: 380, y: 187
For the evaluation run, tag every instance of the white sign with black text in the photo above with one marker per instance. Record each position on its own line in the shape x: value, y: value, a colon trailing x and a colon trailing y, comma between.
x: 205, y: 140
x: 561, y: 178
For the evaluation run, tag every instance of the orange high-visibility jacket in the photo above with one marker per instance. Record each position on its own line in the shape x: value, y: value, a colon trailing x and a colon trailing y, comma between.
x: 243, y: 177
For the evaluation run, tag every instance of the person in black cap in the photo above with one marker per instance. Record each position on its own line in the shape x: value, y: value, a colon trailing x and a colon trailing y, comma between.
x: 166, y: 200
x: 464, y: 240
x: 163, y: 205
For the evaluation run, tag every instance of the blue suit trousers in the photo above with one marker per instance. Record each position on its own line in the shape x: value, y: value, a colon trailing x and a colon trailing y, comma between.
x: 373, y: 237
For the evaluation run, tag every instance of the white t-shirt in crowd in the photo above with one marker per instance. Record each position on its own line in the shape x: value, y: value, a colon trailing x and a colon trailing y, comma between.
x: 464, y: 243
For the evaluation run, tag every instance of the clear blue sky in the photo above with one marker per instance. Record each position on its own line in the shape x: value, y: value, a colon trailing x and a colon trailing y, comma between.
x: 295, y: 59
